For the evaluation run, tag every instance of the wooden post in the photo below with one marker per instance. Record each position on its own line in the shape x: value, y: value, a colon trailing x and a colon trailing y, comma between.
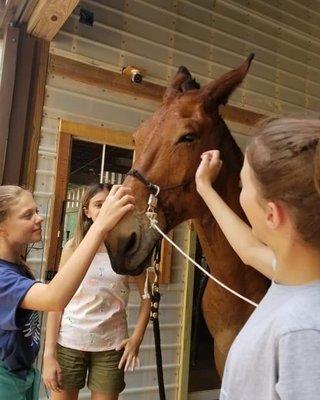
x: 10, y: 54
x: 15, y: 96
x: 35, y: 112
x: 185, y: 340
x: 166, y: 260
x: 60, y: 191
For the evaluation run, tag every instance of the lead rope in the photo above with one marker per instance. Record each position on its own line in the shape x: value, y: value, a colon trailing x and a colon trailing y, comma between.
x: 155, y: 297
x: 152, y: 216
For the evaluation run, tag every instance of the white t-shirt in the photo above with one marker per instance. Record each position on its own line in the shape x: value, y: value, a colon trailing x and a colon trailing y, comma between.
x: 276, y: 356
x: 95, y: 318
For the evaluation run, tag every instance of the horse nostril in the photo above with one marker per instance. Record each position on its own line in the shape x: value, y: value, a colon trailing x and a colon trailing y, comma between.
x: 130, y: 245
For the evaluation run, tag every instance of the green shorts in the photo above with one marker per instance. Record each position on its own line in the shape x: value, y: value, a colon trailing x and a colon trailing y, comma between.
x: 14, y: 387
x: 98, y: 368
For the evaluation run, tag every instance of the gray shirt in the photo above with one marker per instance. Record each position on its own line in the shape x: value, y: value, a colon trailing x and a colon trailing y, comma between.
x: 277, y: 353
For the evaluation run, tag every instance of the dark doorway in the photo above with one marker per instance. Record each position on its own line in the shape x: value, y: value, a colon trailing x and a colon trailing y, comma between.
x: 86, y: 160
x: 202, y: 373
x: 91, y: 163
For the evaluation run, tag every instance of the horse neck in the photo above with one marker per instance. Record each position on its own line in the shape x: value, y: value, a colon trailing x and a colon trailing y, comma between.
x: 216, y: 248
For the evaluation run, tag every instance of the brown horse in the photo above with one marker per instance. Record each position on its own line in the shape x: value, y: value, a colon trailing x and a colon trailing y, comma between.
x: 168, y: 148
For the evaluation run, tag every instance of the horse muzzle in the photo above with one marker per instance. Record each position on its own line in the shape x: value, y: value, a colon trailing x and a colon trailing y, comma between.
x: 130, y: 245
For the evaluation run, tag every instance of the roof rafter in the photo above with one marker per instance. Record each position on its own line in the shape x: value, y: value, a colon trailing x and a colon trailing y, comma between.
x: 49, y: 16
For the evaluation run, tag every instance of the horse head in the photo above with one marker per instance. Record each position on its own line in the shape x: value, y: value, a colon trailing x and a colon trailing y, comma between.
x: 168, y: 147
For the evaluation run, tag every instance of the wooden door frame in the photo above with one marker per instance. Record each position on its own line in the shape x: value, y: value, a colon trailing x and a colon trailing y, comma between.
x: 68, y: 131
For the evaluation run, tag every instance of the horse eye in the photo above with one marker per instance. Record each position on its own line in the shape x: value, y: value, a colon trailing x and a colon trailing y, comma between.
x: 188, y: 138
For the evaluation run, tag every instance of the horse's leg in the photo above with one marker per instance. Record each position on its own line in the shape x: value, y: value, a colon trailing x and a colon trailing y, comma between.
x: 218, y: 320
x: 222, y: 343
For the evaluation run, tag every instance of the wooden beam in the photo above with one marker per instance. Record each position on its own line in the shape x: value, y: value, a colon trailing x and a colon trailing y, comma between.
x: 240, y: 115
x: 35, y: 112
x: 97, y: 134
x: 49, y: 16
x: 93, y: 75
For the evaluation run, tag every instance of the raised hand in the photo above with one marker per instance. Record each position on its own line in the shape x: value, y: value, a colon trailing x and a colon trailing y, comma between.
x: 117, y: 204
x: 208, y: 169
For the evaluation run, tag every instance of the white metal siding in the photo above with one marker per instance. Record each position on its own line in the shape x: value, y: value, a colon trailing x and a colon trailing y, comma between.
x: 209, y: 37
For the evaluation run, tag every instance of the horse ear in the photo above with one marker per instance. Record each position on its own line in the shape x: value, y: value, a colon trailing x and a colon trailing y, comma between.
x: 218, y: 91
x: 174, y: 88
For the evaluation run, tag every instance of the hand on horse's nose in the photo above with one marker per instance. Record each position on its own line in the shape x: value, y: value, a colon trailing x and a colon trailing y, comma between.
x: 129, y: 244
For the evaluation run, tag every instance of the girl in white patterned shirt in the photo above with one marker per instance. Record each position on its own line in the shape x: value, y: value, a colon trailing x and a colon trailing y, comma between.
x: 90, y: 337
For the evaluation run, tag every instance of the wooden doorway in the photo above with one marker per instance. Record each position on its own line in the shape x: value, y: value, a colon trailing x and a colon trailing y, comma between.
x: 79, y: 145
x: 71, y: 135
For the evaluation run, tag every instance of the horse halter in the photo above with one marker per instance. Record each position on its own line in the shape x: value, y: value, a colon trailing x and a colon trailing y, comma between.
x: 152, y: 188
x: 154, y: 191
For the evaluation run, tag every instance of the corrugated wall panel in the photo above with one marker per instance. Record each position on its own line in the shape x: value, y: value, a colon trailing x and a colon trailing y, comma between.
x: 209, y: 37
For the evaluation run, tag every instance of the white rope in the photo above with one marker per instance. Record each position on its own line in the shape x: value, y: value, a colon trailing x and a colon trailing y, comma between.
x: 154, y: 224
x: 146, y: 294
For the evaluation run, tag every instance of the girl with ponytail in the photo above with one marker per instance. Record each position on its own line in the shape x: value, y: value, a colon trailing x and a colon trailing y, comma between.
x: 276, y: 354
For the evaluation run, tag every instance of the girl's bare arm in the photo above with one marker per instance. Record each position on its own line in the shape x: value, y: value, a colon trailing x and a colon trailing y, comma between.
x: 57, y: 294
x: 238, y: 233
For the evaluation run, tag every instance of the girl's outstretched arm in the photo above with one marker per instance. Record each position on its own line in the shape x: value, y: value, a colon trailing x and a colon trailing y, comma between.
x: 57, y: 294
x: 251, y: 251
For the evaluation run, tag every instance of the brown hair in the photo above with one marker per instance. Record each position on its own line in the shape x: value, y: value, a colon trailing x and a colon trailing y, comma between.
x: 9, y: 195
x: 83, y: 222
x: 285, y: 159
